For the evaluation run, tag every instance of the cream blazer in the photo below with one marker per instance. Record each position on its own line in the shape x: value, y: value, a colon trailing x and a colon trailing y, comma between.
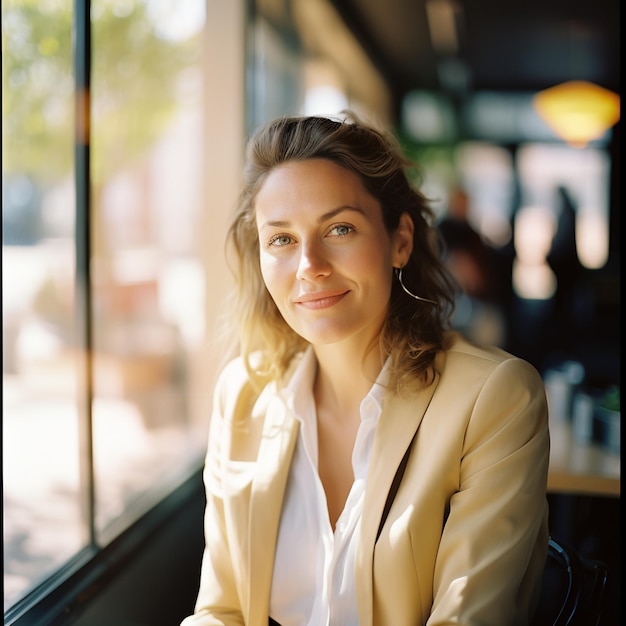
x: 465, y: 539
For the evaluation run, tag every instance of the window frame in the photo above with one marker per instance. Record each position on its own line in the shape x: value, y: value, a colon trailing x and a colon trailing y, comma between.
x: 64, y: 595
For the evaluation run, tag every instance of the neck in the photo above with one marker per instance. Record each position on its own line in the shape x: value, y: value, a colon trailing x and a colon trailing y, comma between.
x: 345, y: 377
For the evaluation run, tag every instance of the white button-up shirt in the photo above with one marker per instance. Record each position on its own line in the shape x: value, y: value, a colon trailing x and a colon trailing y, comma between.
x: 313, y: 580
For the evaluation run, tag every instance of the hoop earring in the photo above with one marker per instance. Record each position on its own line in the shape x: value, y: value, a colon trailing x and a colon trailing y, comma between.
x: 399, y: 275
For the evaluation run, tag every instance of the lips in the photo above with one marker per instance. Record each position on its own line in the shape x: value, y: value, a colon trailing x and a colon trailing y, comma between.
x: 321, y: 299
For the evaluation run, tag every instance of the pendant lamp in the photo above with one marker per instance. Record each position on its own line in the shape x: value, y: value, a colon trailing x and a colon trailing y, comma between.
x: 578, y: 111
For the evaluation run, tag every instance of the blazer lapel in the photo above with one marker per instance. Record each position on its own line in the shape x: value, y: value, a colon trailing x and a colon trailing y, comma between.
x: 399, y: 421
x: 278, y: 442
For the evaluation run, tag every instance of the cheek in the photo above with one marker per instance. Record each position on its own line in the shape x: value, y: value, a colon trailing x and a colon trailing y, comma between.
x: 266, y: 272
x: 379, y: 267
x: 273, y: 273
x: 374, y: 259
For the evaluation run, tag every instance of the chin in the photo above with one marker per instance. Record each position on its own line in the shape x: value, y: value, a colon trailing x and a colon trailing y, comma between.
x: 329, y: 336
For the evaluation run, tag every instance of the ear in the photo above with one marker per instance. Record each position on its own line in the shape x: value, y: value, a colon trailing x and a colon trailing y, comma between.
x: 402, y: 241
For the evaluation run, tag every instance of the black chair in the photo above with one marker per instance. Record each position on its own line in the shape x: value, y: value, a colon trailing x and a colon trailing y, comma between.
x: 572, y: 589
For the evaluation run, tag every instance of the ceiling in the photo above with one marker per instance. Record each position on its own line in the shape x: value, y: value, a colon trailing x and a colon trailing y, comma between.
x: 502, y: 45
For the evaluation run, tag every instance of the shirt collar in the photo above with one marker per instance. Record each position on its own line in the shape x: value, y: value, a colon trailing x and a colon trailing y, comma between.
x: 298, y: 395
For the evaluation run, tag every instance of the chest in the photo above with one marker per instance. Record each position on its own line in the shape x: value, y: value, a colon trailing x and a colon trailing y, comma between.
x: 335, y: 446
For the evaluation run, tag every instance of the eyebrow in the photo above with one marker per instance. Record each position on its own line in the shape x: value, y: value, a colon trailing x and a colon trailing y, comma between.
x: 326, y: 216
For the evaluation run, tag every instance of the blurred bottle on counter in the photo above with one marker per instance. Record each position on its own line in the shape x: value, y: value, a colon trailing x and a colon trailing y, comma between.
x: 562, y: 383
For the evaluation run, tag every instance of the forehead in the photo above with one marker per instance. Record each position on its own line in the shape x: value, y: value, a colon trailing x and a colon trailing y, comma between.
x: 313, y: 181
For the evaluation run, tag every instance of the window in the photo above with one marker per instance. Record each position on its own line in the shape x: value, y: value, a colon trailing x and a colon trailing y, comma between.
x: 148, y: 278
x: 107, y: 383
x: 41, y: 466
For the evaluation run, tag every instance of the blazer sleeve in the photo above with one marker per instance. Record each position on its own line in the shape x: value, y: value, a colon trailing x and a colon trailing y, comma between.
x: 494, y: 543
x: 217, y: 602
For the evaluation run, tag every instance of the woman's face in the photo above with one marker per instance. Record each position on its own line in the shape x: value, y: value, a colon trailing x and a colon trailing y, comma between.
x: 326, y: 256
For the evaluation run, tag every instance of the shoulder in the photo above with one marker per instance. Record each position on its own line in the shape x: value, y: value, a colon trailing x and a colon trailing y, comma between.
x: 239, y: 381
x: 489, y: 389
x: 233, y: 375
x: 235, y: 387
x: 457, y: 345
x: 465, y: 361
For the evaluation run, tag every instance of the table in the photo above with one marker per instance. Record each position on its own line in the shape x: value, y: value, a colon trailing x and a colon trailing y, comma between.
x: 580, y: 468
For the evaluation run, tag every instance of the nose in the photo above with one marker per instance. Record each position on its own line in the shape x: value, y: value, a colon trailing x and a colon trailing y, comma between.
x: 313, y: 262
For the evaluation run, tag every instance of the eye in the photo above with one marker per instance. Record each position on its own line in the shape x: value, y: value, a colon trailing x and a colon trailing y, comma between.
x: 279, y: 241
x: 341, y: 230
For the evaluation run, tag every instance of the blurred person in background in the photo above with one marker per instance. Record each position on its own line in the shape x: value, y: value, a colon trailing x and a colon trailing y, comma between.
x: 474, y: 264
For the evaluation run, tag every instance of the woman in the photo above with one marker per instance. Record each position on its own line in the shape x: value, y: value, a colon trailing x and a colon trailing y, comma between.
x: 365, y: 464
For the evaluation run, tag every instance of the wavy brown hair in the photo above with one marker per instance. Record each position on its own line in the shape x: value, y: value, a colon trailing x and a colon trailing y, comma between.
x: 413, y: 332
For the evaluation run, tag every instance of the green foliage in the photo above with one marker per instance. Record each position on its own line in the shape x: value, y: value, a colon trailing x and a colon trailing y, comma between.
x: 428, y: 157
x: 134, y: 85
x: 611, y: 398
x: 37, y: 87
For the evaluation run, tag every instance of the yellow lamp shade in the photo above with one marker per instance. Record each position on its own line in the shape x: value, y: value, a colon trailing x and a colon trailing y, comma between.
x: 578, y: 111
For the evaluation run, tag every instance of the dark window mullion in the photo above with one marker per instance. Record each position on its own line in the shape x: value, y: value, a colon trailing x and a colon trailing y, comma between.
x: 84, y: 334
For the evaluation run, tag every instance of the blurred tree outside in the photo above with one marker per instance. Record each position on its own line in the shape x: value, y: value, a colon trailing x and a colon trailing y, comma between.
x: 138, y: 73
x: 133, y: 96
x: 135, y: 73
x: 37, y: 88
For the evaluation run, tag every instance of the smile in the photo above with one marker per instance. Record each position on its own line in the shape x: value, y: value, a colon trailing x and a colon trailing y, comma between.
x: 320, y: 299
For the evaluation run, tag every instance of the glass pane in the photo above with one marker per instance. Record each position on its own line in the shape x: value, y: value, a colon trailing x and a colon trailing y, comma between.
x: 148, y: 264
x: 41, y: 503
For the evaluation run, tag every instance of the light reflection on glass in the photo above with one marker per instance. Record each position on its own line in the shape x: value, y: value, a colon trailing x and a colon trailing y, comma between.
x: 149, y: 282
x: 42, y: 520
